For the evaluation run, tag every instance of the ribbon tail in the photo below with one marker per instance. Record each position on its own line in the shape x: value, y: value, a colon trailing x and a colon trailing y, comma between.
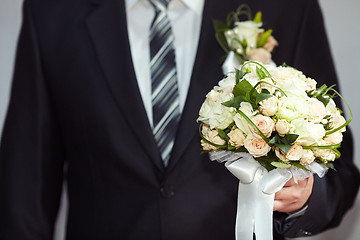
x: 264, y: 216
x: 244, y: 226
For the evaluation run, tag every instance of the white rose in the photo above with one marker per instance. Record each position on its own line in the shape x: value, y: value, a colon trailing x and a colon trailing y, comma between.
x: 331, y: 107
x: 334, y: 138
x: 290, y: 80
x: 264, y: 123
x: 316, y: 110
x: 252, y: 78
x: 227, y: 84
x: 261, y: 55
x: 294, y: 153
x: 257, y: 147
x: 237, y: 137
x: 269, y: 106
x: 248, y: 30
x: 212, y: 136
x: 282, y: 126
x: 213, y: 113
x: 307, y: 157
x: 291, y: 108
x: 309, y: 133
x: 241, y: 122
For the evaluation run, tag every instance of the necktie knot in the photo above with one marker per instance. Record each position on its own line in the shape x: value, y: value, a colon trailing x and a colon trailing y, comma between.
x: 159, y: 5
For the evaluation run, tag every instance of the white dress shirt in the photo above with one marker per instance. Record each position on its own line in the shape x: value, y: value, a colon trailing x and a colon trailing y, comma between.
x: 185, y: 17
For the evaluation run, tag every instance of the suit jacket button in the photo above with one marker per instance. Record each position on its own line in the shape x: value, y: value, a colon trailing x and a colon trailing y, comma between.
x: 167, y: 192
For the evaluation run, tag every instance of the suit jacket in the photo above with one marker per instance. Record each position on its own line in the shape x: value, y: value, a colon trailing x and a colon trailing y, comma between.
x: 75, y: 103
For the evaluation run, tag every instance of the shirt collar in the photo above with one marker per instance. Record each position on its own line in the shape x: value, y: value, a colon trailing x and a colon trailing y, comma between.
x: 194, y: 5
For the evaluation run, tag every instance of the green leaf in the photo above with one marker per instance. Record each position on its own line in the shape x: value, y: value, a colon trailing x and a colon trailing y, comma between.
x: 262, y: 96
x: 220, y: 29
x: 324, y: 99
x: 266, y: 164
x: 260, y: 73
x: 283, y: 147
x: 281, y: 164
x: 258, y: 17
x: 267, y: 160
x: 242, y: 88
x: 274, y: 139
x: 263, y: 38
x: 223, y: 135
x: 330, y: 165
x: 235, y: 102
x: 239, y: 75
x: 337, y: 153
x: 289, y: 138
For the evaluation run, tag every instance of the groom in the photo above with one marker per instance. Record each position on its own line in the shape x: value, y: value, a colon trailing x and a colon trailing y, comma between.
x: 82, y: 98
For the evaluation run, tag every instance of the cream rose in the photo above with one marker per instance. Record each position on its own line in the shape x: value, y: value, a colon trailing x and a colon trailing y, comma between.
x: 282, y: 126
x: 294, y: 153
x: 237, y: 137
x: 310, y: 84
x: 270, y: 44
x: 265, y: 124
x: 280, y: 155
x: 307, y: 157
x: 337, y: 121
x: 211, y: 135
x: 257, y: 147
x: 260, y: 55
x: 269, y: 106
x: 317, y: 110
x: 325, y: 154
x: 334, y: 138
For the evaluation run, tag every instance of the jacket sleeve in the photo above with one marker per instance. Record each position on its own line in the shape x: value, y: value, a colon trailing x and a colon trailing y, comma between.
x: 330, y: 200
x: 31, y: 159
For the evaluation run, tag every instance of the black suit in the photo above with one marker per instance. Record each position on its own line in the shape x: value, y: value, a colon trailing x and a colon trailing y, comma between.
x: 75, y: 99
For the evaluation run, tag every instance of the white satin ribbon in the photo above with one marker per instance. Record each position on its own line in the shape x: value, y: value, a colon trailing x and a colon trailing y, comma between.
x: 257, y: 188
x: 230, y: 63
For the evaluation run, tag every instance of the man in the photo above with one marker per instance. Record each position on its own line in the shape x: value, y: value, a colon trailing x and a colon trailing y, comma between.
x: 77, y: 99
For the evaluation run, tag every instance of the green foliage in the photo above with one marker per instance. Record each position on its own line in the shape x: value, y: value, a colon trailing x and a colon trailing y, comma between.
x: 263, y: 38
x: 220, y: 29
x: 258, y: 17
x: 284, y: 143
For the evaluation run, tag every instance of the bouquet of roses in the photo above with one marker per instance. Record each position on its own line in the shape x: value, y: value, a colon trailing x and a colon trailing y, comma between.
x: 276, y: 114
x: 269, y: 124
x: 245, y: 40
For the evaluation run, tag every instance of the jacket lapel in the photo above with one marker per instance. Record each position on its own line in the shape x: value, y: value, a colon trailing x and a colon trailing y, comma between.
x: 206, y: 74
x: 108, y: 30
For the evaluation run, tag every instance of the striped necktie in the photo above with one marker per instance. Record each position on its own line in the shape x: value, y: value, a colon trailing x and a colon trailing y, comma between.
x: 165, y: 96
